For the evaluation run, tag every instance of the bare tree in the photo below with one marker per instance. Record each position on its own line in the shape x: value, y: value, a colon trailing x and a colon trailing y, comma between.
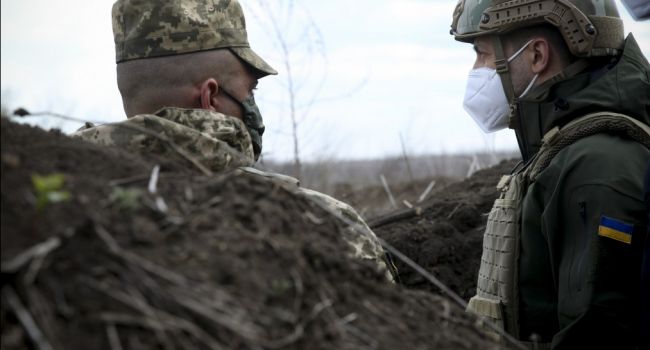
x: 301, y: 49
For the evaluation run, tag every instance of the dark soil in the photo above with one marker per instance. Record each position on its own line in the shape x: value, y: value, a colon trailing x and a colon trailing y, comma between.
x: 228, y: 262
x: 446, y: 238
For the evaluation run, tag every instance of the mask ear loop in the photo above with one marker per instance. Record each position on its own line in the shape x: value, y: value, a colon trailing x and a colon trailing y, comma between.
x: 520, y: 50
x: 230, y: 95
x: 502, y: 68
x: 530, y: 86
x: 250, y: 123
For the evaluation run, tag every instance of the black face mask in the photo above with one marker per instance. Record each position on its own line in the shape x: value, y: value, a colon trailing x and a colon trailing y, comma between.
x: 253, y: 121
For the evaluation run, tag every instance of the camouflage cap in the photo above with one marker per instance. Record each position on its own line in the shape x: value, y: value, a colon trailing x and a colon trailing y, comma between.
x: 154, y: 28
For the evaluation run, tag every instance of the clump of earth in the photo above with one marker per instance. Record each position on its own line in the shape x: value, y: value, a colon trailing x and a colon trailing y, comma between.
x: 445, y: 233
x: 93, y: 257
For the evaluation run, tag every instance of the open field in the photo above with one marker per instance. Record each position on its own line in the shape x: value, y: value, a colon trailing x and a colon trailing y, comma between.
x: 358, y: 182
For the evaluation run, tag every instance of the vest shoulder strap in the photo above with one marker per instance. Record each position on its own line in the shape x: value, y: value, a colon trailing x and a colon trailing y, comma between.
x: 591, y: 124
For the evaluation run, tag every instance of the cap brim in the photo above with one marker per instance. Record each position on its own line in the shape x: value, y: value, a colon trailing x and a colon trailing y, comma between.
x: 254, y: 60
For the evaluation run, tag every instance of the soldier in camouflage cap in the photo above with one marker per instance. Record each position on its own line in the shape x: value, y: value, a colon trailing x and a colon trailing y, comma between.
x: 560, y: 267
x: 186, y: 74
x: 155, y: 29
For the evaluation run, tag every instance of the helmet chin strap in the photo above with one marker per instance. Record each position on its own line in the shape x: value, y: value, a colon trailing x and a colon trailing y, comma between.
x: 501, y: 63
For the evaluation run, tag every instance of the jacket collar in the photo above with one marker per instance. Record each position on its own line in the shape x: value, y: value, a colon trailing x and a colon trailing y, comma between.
x: 582, y: 88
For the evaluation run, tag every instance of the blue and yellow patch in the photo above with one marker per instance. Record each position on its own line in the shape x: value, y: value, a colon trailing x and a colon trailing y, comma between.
x: 615, y: 229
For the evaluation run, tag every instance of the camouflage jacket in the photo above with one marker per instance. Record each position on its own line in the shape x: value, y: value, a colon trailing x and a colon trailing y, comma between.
x: 221, y: 143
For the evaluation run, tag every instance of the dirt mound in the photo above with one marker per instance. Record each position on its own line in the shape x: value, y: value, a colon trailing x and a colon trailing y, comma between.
x: 445, y: 234
x: 96, y: 261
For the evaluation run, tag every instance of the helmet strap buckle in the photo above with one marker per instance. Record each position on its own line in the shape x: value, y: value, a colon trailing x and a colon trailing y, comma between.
x: 501, y: 66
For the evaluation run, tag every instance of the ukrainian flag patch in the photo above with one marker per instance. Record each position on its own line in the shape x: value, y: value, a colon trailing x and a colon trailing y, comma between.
x: 615, y: 229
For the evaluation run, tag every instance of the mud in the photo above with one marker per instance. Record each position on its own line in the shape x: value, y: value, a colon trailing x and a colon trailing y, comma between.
x: 446, y: 237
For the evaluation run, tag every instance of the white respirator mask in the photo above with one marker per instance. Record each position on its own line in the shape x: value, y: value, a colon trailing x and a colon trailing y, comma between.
x: 485, y: 99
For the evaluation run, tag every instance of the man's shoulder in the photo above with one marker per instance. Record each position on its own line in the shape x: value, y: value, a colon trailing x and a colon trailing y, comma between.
x: 601, y: 159
x: 600, y: 137
x: 276, y: 177
x: 340, y: 209
x: 604, y: 148
x: 357, y: 233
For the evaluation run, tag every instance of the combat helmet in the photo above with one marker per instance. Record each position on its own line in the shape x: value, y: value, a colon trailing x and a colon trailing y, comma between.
x: 589, y: 27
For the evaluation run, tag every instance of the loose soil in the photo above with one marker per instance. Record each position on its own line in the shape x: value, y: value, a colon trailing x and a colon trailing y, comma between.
x: 231, y: 261
x: 446, y: 237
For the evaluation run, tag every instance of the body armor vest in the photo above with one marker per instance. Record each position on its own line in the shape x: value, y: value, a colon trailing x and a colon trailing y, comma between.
x: 497, y: 289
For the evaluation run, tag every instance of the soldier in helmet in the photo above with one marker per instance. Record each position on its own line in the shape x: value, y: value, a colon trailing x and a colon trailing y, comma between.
x: 561, y: 252
x: 186, y: 74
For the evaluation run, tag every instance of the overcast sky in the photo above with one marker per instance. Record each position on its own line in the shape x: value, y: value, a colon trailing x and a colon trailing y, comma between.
x: 375, y: 70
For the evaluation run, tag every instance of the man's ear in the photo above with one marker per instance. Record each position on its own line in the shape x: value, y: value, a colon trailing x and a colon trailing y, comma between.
x: 208, y: 94
x: 541, y: 55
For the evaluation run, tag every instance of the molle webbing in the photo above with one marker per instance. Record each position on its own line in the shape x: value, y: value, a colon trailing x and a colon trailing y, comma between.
x: 497, y: 296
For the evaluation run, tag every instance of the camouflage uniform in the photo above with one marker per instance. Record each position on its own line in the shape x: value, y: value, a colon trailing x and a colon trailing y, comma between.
x: 145, y: 29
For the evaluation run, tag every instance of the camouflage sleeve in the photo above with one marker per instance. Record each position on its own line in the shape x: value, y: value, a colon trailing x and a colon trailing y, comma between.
x: 214, y: 140
x: 358, y: 234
